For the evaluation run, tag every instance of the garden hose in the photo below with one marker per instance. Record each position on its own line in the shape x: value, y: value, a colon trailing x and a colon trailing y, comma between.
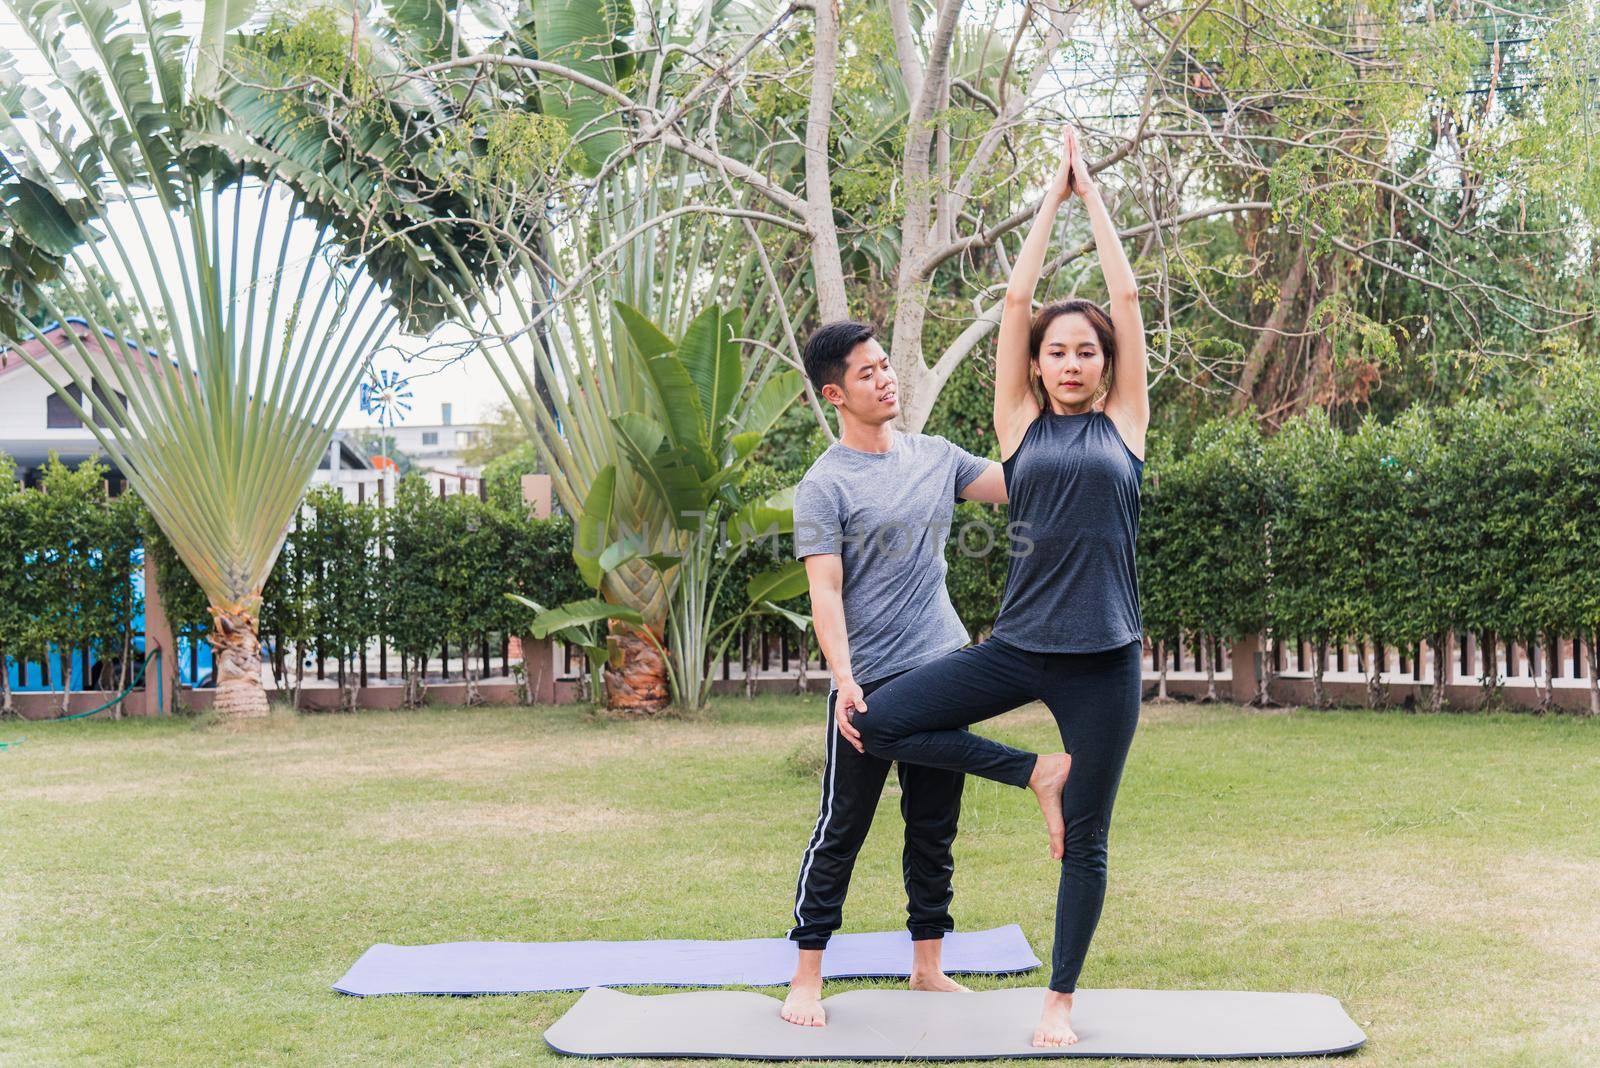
x: 132, y: 683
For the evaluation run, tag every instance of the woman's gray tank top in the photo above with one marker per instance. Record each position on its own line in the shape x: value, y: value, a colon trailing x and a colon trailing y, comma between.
x: 1074, y: 520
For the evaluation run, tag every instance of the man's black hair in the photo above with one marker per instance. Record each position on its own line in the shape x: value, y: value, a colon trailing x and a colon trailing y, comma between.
x: 827, y: 351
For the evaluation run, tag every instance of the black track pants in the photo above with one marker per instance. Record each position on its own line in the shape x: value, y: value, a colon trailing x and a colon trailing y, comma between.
x: 852, y: 782
x: 920, y: 718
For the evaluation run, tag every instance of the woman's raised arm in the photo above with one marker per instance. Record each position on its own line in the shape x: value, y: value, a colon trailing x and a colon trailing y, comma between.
x: 1014, y: 403
x: 1128, y: 402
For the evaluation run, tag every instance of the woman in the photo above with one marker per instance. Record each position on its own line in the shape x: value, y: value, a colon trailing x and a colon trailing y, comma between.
x: 1071, y: 408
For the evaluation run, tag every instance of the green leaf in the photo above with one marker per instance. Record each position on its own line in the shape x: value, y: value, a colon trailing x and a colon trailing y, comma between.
x: 711, y: 357
x: 759, y: 519
x: 686, y: 425
x: 648, y: 337
x: 787, y: 582
x: 577, y: 35
x: 773, y: 399
x: 594, y: 526
x: 218, y: 18
x: 800, y: 622
x: 580, y: 613
x: 621, y: 551
x: 33, y: 211
x: 678, y: 484
x: 744, y: 444
x: 662, y: 562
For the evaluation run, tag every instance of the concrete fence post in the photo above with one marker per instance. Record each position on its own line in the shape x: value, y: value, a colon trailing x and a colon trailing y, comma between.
x: 159, y: 675
x: 1246, y: 656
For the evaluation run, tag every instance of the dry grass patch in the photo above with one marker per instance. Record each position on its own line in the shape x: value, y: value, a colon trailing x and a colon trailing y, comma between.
x: 427, y: 820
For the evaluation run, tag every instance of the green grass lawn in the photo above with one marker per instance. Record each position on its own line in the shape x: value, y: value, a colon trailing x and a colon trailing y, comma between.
x: 172, y: 892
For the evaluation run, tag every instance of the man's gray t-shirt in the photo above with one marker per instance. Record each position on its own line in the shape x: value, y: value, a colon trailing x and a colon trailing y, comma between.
x: 887, y: 515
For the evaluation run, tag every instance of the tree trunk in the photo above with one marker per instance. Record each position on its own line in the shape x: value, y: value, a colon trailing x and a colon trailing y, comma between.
x: 416, y: 688
x: 237, y: 648
x: 1264, y: 676
x: 1207, y: 653
x: 351, y: 686
x: 805, y: 653
x: 639, y: 682
x: 7, y: 705
x: 1547, y: 688
x: 469, y: 672
x: 1594, y: 673
x: 1318, y: 666
x: 1374, y: 669
x: 1441, y: 668
x: 1161, y: 686
x: 66, y: 679
x: 1288, y: 292
x: 299, y: 676
x: 1490, y: 678
x: 749, y: 668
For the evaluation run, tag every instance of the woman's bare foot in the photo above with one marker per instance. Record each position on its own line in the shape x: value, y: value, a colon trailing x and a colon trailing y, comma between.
x: 1055, y: 1022
x: 937, y: 981
x: 1048, y: 780
x: 803, y: 1006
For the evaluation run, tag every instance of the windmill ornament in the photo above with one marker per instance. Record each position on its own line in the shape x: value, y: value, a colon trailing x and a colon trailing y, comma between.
x: 388, y: 397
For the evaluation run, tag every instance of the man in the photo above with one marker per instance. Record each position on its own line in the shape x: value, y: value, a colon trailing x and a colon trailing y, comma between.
x: 871, y: 519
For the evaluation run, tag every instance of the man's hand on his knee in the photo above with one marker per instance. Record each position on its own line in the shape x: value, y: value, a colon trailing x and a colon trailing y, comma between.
x: 848, y: 700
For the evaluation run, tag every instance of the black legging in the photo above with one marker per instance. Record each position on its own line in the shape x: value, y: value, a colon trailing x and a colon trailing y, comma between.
x: 918, y: 718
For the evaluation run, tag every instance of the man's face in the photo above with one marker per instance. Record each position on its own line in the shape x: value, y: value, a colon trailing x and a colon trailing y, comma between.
x: 869, y: 391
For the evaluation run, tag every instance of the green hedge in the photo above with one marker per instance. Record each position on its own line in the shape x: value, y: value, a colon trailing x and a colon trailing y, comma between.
x: 1465, y: 519
x: 67, y: 555
x: 424, y: 573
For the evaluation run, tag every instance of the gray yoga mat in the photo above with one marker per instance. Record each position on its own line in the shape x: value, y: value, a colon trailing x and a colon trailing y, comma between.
x: 905, y: 1024
x: 527, y: 967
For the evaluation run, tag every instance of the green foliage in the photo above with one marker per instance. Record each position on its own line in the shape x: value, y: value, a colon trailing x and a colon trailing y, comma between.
x: 338, y: 565
x: 67, y: 557
x: 313, y: 45
x: 424, y: 571
x: 181, y: 596
x: 452, y: 560
x: 1469, y: 519
x: 715, y: 414
x: 1212, y: 517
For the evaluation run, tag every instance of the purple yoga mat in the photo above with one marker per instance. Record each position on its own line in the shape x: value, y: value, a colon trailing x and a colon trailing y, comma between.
x: 525, y: 967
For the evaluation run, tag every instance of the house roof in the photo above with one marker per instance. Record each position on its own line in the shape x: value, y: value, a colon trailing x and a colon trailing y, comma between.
x: 36, y: 348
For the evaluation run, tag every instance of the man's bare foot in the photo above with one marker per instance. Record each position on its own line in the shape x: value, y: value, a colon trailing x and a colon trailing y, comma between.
x: 803, y: 1006
x: 1048, y: 780
x: 937, y: 981
x: 927, y: 971
x: 1055, y: 1022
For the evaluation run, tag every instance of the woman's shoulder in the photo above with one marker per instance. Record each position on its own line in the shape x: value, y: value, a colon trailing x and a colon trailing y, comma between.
x: 1028, y: 433
x: 1122, y: 434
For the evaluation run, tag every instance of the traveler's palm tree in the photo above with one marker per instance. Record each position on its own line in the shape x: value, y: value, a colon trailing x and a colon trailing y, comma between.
x: 247, y: 296
x: 570, y: 365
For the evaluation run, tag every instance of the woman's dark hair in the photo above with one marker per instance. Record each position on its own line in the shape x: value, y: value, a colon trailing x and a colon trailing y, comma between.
x: 827, y: 352
x: 1104, y: 331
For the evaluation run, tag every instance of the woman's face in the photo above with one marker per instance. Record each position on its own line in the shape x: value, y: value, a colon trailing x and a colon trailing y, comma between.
x: 1071, y: 363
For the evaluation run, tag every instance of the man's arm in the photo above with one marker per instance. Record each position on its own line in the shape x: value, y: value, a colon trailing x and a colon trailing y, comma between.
x: 989, y: 487
x: 825, y: 571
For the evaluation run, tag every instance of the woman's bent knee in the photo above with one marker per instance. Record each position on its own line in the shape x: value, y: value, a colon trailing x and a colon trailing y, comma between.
x: 871, y: 726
